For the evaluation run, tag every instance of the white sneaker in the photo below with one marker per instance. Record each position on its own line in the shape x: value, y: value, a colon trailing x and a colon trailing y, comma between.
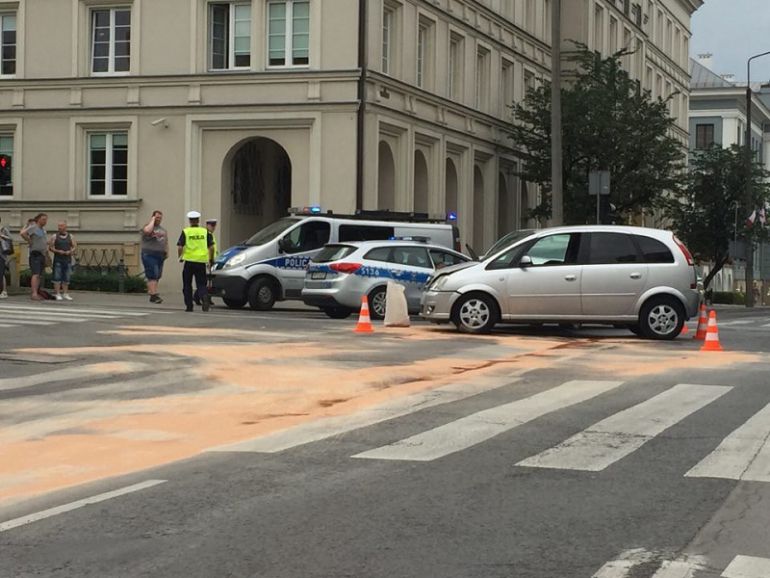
x: 67, y: 297
x: 3, y: 295
x: 59, y: 297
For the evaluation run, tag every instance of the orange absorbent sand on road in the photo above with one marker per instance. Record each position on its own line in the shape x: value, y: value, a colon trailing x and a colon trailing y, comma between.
x: 248, y: 389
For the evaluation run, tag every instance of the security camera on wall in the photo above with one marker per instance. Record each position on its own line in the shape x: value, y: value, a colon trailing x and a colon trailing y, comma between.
x: 162, y: 122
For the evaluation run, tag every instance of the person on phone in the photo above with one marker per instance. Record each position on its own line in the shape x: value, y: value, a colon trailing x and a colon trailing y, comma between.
x: 154, y: 249
x: 34, y: 234
x: 63, y: 247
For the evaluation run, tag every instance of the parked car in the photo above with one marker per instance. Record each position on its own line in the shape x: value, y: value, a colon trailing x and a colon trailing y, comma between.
x: 342, y: 273
x: 644, y: 279
x: 270, y: 266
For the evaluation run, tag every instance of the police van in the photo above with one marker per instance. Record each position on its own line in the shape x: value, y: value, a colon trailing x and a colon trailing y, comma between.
x: 270, y: 266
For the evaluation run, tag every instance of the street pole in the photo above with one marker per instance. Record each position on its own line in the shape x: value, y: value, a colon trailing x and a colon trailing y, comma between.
x: 749, y: 197
x: 557, y: 197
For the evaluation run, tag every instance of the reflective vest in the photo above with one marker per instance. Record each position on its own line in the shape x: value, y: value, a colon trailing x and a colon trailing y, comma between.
x: 196, y: 248
x: 214, y: 245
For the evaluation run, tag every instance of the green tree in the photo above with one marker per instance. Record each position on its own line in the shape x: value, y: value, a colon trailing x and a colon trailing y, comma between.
x: 712, y: 209
x: 609, y: 123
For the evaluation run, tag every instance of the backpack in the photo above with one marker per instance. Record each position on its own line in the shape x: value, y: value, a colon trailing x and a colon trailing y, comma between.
x: 45, y: 294
x: 6, y: 247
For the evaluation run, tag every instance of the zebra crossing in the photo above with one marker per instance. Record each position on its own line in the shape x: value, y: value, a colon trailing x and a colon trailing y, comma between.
x: 743, y: 455
x: 18, y: 315
x: 628, y: 564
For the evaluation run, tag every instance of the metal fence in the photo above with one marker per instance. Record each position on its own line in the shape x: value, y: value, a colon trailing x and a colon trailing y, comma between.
x: 104, y: 261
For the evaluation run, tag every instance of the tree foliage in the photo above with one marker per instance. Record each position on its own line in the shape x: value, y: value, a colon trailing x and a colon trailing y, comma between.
x: 608, y: 123
x: 712, y: 210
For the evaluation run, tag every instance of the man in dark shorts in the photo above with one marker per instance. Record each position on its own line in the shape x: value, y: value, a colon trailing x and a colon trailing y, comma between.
x: 63, y: 247
x: 34, y: 234
x: 154, y: 249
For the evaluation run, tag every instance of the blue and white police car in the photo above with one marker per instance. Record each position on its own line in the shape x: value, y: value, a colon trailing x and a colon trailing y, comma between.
x: 342, y: 273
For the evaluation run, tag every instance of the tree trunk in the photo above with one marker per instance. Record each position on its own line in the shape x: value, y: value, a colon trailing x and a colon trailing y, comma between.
x: 719, y: 263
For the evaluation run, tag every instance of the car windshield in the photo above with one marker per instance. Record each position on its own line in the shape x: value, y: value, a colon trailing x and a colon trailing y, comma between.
x: 271, y: 231
x: 507, y: 240
x: 333, y: 253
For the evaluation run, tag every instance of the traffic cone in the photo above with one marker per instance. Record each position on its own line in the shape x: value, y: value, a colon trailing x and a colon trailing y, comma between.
x: 712, y: 335
x: 700, y: 333
x: 364, y: 324
x: 685, y: 329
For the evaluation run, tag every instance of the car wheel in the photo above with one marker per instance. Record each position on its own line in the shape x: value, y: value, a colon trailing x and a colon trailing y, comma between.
x: 234, y: 303
x: 475, y: 313
x: 337, y: 312
x: 377, y: 302
x: 661, y: 318
x: 262, y: 295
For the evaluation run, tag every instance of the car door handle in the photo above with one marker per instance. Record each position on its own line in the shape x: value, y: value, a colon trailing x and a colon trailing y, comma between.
x: 570, y: 278
x: 635, y: 275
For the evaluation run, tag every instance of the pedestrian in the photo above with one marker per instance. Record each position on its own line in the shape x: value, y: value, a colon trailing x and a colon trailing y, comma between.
x: 6, y: 250
x: 34, y: 234
x: 154, y: 250
x: 63, y: 247
x: 211, y: 226
x: 195, y: 248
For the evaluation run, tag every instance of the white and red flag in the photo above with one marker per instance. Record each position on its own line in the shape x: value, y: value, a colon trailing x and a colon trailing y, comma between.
x: 751, y: 219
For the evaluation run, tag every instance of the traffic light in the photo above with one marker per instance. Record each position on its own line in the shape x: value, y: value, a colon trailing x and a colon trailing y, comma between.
x: 5, y: 170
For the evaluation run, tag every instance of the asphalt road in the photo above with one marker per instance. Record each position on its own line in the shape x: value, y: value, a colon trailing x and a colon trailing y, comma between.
x: 549, y: 454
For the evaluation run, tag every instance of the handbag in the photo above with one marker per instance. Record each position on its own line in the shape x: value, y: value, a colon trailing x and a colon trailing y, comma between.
x: 6, y: 246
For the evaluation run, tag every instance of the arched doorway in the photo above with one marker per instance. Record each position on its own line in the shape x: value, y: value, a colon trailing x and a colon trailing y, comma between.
x: 386, y: 178
x: 478, y: 210
x: 258, y: 174
x: 420, y: 183
x: 451, y: 187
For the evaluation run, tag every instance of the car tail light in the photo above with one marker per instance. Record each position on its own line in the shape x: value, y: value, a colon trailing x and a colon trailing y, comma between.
x: 685, y: 252
x: 348, y: 268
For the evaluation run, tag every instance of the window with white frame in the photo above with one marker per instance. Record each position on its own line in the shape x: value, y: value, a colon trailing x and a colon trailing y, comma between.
x: 110, y: 40
x: 229, y: 35
x: 422, y: 47
x: 108, y: 164
x: 288, y: 33
x: 456, y: 60
x: 482, y: 78
x: 8, y: 49
x: 6, y: 165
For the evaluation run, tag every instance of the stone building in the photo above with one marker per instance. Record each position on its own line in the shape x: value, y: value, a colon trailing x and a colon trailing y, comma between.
x: 112, y: 108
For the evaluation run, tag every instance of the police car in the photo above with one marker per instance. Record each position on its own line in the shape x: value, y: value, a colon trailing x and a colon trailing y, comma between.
x: 342, y: 273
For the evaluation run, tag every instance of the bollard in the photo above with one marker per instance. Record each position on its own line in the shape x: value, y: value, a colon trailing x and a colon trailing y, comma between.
x: 121, y: 276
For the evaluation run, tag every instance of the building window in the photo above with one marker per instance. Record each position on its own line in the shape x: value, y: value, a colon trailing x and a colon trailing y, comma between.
x: 598, y: 29
x: 482, y: 78
x: 111, y: 40
x: 659, y: 35
x: 529, y: 81
x: 422, y: 47
x: 613, y: 35
x: 289, y: 33
x: 230, y: 36
x: 506, y: 93
x: 704, y: 136
x: 6, y: 165
x: 387, y: 38
x: 456, y: 60
x: 529, y: 17
x: 108, y: 164
x: 8, y: 61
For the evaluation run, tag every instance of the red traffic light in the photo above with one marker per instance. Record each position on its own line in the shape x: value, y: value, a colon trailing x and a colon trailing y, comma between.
x: 3, y: 162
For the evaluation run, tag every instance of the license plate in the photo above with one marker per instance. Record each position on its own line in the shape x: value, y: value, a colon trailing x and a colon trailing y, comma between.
x: 318, y: 275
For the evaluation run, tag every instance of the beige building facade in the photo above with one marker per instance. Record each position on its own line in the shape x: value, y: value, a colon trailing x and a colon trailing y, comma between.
x: 110, y: 109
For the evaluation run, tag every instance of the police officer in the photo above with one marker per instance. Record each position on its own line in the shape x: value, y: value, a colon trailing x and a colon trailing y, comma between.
x: 211, y: 225
x: 196, y: 248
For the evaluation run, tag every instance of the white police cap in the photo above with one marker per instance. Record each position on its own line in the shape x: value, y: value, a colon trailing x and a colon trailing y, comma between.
x: 193, y: 215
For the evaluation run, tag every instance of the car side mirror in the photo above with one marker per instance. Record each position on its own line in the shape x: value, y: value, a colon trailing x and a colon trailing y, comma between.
x: 526, y: 261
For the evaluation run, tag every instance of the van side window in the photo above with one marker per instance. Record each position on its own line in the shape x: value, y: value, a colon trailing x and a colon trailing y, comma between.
x: 379, y: 254
x: 554, y: 250
x: 508, y: 259
x: 308, y: 237
x: 364, y: 233
x: 611, y: 249
x: 653, y: 250
x: 443, y: 259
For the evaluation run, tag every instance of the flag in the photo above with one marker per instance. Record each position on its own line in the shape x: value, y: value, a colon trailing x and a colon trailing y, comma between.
x: 751, y: 219
x: 762, y: 216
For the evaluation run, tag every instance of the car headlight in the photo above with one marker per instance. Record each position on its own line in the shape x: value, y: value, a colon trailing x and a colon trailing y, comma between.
x: 235, y: 261
x: 438, y: 284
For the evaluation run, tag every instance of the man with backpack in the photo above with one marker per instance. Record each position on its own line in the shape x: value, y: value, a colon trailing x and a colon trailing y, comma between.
x: 6, y: 250
x: 63, y: 246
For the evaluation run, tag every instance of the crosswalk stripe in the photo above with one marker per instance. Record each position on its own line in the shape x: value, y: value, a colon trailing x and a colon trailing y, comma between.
x: 748, y: 567
x: 612, y: 439
x: 678, y: 569
x: 338, y: 425
x: 622, y: 566
x: 481, y: 426
x: 49, y: 314
x: 738, y: 322
x: 15, y: 317
x: 23, y: 321
x: 743, y: 455
x: 67, y: 308
x: 69, y: 373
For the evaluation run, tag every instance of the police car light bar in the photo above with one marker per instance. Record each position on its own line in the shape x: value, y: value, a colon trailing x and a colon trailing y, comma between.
x: 414, y: 239
x: 313, y: 210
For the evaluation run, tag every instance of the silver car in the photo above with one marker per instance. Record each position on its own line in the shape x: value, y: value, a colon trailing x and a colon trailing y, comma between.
x: 643, y: 279
x: 342, y: 273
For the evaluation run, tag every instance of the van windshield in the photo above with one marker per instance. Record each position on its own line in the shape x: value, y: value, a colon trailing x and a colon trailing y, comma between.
x: 271, y: 231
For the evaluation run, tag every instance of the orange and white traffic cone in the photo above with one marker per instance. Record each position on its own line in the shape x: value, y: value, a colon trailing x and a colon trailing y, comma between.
x: 364, y: 324
x: 685, y: 329
x: 700, y: 333
x: 712, y: 335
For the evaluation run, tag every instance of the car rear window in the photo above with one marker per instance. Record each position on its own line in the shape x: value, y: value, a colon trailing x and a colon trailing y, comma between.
x: 333, y: 253
x: 653, y: 250
x: 612, y: 248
